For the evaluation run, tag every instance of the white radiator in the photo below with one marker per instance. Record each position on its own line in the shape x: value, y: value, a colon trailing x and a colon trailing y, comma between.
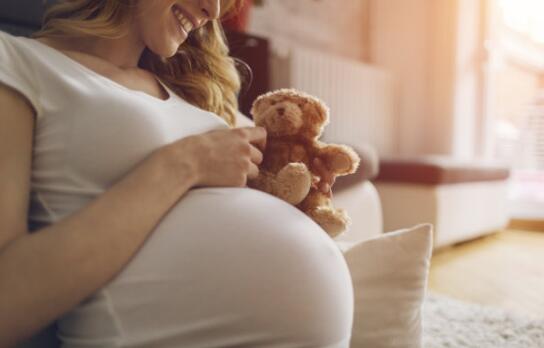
x: 360, y: 96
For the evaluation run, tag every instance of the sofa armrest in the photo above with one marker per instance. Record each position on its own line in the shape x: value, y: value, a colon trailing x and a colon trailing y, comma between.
x: 368, y: 169
x: 363, y: 205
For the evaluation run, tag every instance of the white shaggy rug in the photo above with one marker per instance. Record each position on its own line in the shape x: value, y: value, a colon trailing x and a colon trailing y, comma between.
x: 450, y: 323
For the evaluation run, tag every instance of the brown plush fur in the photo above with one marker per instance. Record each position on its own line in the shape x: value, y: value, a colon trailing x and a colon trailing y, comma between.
x: 294, y: 121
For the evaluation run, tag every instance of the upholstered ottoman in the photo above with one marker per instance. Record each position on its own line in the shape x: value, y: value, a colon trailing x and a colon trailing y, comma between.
x: 462, y: 200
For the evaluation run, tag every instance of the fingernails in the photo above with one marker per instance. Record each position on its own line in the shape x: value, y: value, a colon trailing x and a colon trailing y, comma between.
x: 325, y: 188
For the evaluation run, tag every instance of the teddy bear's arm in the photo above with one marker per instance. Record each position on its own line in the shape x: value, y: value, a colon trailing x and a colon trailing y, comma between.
x: 339, y: 159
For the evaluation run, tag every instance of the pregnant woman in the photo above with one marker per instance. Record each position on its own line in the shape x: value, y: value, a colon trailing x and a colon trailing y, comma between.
x: 124, y: 211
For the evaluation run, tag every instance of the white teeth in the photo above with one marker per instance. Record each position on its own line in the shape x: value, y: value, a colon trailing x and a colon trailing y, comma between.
x: 183, y: 21
x: 187, y: 25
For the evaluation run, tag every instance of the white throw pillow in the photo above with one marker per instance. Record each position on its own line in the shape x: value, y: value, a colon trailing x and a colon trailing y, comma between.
x: 389, y: 277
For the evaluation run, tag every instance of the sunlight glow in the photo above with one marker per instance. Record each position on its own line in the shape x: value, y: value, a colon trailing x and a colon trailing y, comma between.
x: 524, y: 16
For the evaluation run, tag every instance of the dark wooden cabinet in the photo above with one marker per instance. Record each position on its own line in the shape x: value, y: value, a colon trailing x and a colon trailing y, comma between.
x: 255, y: 52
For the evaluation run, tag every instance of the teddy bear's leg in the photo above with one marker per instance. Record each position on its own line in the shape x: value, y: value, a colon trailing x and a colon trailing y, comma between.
x: 333, y: 221
x: 293, y: 183
x: 265, y: 181
x: 319, y: 207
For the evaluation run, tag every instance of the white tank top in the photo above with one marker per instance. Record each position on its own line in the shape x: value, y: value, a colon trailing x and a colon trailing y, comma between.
x: 90, y: 130
x: 259, y: 251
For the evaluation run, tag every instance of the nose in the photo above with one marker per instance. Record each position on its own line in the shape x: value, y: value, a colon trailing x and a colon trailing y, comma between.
x: 210, y: 8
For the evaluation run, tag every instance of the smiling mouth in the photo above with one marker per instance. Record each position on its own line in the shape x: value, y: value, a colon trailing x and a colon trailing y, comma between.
x: 183, y: 22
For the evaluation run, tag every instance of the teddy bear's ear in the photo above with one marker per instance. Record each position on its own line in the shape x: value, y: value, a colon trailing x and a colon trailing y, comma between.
x: 254, y: 108
x: 261, y: 102
x: 319, y: 112
x: 256, y: 105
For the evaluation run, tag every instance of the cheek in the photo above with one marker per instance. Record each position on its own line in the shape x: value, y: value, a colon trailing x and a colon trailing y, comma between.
x: 258, y: 110
x: 157, y: 19
x: 258, y: 119
x: 157, y: 29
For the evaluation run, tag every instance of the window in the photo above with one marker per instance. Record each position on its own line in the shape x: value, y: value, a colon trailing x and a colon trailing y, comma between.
x: 515, y: 98
x: 524, y: 17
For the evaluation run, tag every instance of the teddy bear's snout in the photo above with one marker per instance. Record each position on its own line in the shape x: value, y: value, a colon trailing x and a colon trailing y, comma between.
x: 279, y: 117
x: 285, y: 118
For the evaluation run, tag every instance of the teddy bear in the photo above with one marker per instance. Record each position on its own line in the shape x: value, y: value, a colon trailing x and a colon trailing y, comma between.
x: 294, y: 122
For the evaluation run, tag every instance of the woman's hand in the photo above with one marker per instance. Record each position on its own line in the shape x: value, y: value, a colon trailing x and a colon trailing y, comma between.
x: 327, y: 178
x: 226, y: 157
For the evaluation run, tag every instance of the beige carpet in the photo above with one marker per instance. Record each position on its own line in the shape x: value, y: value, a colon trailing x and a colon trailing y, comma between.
x: 450, y: 323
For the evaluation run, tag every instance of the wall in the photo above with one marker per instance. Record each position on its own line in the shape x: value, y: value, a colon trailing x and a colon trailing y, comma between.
x: 468, y: 89
x: 432, y: 47
x: 335, y: 26
x: 399, y: 43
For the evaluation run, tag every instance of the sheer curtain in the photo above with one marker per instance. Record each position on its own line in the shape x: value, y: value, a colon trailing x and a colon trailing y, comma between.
x: 515, y: 99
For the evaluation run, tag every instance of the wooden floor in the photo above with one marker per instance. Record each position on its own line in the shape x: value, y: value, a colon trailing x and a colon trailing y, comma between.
x: 505, y: 270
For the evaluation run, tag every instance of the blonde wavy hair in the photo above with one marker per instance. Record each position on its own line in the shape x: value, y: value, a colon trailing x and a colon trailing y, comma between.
x: 201, y: 72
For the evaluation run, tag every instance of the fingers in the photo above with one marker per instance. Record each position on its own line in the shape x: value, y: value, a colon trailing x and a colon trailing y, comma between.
x: 256, y: 156
x: 327, y: 178
x: 322, y: 170
x: 253, y: 171
x: 256, y: 136
x: 257, y: 140
x: 326, y: 187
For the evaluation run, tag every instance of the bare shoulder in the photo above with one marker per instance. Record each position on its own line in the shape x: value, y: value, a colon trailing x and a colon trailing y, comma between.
x: 13, y: 102
x: 16, y: 132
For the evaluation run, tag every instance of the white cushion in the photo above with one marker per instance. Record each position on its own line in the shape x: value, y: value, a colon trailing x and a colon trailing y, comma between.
x: 362, y: 203
x: 445, y: 206
x: 389, y: 277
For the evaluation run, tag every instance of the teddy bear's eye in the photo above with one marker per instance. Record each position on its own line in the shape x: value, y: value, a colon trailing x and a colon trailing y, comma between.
x: 273, y: 102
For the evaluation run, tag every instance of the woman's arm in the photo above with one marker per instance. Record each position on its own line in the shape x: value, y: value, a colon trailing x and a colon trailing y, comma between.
x: 44, y: 274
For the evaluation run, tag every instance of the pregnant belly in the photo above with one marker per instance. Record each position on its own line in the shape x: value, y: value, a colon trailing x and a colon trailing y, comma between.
x: 225, y: 260
x: 220, y: 227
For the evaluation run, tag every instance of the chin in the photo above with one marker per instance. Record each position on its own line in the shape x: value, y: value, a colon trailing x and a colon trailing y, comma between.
x: 170, y: 52
x: 166, y: 49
